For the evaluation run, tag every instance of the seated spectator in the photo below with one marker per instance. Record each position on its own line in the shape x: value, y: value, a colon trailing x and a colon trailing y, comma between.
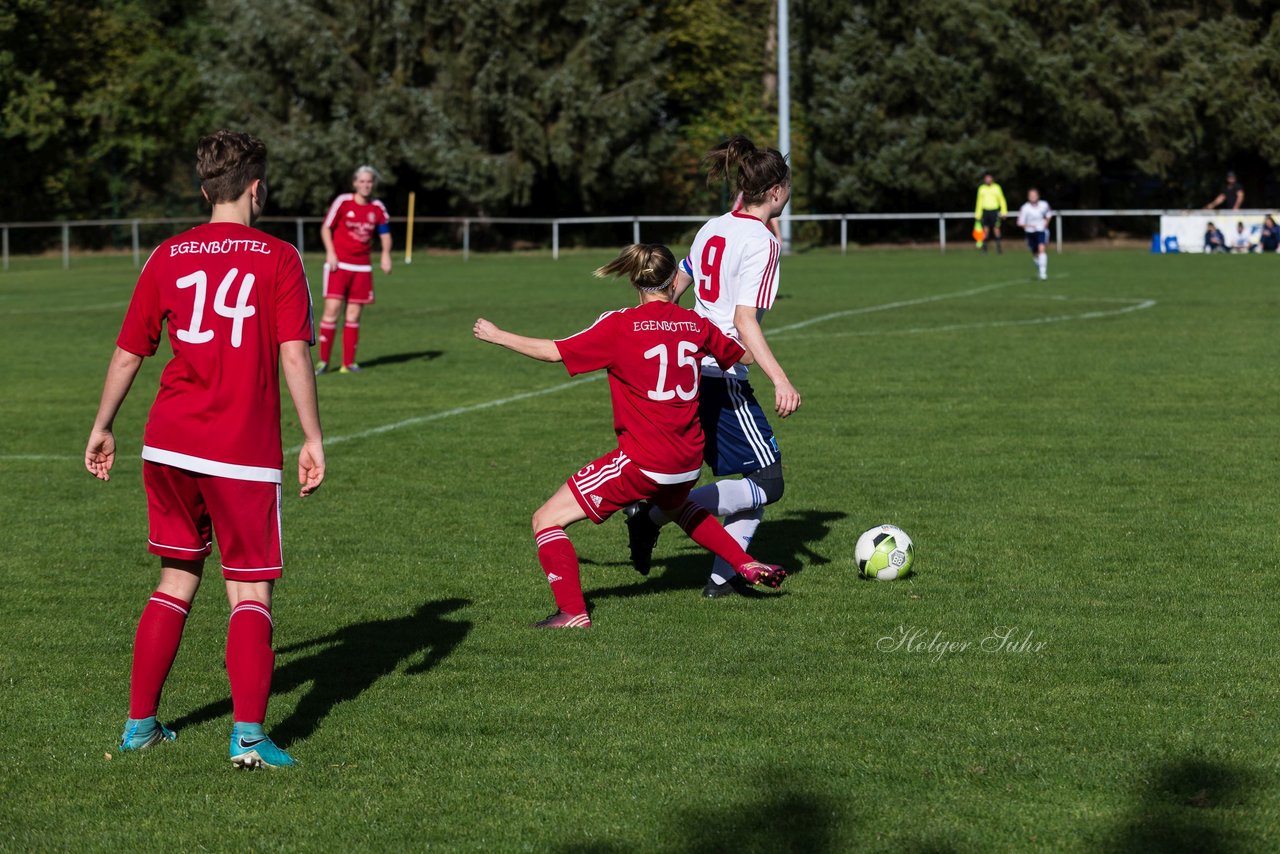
x: 1242, y: 243
x: 1269, y: 240
x: 1213, y: 239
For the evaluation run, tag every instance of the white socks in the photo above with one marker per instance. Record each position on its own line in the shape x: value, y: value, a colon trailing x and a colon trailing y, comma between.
x: 722, y: 498
x: 739, y: 501
x: 1042, y: 262
x: 742, y: 526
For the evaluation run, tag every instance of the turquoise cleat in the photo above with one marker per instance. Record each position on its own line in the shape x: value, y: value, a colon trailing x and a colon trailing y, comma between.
x: 141, y: 733
x: 251, y: 748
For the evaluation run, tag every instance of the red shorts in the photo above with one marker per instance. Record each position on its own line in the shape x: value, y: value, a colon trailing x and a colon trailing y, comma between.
x: 350, y: 282
x: 185, y: 508
x: 612, y: 482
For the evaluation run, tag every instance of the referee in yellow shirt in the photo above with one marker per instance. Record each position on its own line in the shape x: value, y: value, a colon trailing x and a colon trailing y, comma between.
x: 990, y: 210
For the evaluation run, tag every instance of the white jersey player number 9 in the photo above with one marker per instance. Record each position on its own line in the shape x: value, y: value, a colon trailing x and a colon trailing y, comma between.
x: 709, y: 265
x: 684, y: 358
x: 238, y: 313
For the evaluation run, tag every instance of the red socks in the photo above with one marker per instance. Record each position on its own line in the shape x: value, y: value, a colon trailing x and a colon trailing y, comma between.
x: 350, y: 337
x: 327, y: 333
x: 154, y: 648
x: 705, y: 530
x: 560, y: 563
x: 250, y: 660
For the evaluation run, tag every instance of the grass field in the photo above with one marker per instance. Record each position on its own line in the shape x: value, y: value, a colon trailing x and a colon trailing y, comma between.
x: 1088, y: 467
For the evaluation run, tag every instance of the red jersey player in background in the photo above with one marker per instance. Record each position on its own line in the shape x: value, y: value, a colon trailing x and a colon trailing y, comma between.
x: 348, y: 231
x: 651, y: 353
x: 237, y: 306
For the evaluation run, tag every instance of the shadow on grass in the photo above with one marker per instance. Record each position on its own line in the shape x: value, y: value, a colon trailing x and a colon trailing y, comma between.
x: 783, y: 818
x: 787, y: 540
x: 348, y: 661
x: 401, y: 358
x: 1187, y: 806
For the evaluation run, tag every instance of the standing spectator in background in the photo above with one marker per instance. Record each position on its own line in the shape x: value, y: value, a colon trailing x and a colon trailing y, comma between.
x: 1213, y: 239
x: 348, y: 230
x: 990, y: 209
x: 1231, y: 197
x: 1242, y: 242
x: 1269, y: 239
x: 1034, y: 218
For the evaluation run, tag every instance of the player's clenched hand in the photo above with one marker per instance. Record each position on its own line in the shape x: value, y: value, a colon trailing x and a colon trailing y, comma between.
x: 485, y: 331
x: 786, y: 399
x: 386, y: 264
x: 100, y: 454
x: 310, y: 468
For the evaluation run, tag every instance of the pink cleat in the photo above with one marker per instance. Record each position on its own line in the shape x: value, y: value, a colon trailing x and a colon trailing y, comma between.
x: 763, y: 573
x: 561, y: 620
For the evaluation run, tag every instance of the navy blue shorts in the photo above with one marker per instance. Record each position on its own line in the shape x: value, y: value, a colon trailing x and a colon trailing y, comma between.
x: 1036, y: 239
x: 738, y: 437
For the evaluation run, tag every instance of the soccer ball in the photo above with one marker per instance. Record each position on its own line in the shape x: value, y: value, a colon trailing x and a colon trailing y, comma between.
x: 884, y: 553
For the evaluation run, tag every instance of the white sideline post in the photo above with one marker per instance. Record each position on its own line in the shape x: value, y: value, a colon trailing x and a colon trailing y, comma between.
x: 1058, y: 228
x: 844, y: 235
x: 301, y: 246
x: 555, y: 240
x: 66, y: 246
x: 942, y: 233
x: 635, y: 230
x: 137, y: 255
x: 466, y: 239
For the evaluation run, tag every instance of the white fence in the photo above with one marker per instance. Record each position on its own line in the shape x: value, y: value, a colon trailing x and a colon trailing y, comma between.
x: 558, y: 224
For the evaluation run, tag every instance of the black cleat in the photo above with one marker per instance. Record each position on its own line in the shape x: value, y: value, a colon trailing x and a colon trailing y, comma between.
x: 642, y: 536
x: 735, y: 586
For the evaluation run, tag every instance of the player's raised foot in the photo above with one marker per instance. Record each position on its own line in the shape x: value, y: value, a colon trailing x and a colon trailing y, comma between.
x: 765, y: 574
x: 642, y: 536
x: 561, y: 620
x: 141, y: 733
x: 352, y: 368
x: 321, y: 367
x: 251, y: 748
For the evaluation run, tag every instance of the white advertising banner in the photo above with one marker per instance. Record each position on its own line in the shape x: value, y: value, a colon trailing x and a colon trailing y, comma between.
x: 1185, y: 232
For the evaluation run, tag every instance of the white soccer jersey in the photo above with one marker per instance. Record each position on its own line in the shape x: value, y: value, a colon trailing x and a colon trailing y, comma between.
x: 733, y: 262
x: 1034, y: 217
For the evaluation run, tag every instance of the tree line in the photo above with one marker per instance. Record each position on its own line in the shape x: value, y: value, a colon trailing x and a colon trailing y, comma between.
x: 564, y: 107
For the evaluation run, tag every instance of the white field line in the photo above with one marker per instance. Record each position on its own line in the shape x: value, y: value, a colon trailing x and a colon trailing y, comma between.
x: 850, y: 312
x: 1134, y: 305
x: 449, y: 413
x: 515, y: 398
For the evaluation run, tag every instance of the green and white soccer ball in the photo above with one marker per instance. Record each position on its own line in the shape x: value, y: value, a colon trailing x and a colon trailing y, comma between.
x: 884, y: 553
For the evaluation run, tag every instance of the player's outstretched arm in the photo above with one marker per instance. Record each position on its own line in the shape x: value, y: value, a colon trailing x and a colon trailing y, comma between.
x: 100, y: 453
x: 295, y: 359
x: 786, y: 399
x: 543, y: 349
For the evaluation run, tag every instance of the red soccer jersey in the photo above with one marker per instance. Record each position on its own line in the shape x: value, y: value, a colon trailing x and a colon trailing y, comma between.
x: 230, y: 295
x: 354, y: 226
x: 652, y: 354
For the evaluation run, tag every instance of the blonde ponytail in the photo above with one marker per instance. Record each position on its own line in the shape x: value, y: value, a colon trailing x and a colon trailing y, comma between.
x: 649, y: 266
